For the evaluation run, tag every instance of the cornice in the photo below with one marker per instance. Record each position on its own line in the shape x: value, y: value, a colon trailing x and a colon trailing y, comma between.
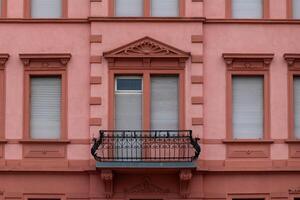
x: 291, y: 58
x: 62, y: 58
x: 3, y: 59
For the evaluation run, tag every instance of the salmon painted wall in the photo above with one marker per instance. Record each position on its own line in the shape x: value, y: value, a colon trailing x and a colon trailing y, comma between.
x: 46, y: 38
x: 246, y: 38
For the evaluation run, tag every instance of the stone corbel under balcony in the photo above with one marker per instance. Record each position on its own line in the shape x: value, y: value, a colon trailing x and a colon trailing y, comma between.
x: 185, y: 177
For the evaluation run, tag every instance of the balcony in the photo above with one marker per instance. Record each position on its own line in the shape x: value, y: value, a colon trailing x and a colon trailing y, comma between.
x: 146, y: 149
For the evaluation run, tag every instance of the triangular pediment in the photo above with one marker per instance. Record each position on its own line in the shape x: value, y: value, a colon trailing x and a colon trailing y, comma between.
x: 146, y: 48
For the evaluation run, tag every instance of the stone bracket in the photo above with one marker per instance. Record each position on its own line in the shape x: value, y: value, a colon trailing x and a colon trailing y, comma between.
x: 185, y: 177
x: 107, y: 178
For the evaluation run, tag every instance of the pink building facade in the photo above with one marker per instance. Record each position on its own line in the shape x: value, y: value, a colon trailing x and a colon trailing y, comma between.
x: 223, y: 71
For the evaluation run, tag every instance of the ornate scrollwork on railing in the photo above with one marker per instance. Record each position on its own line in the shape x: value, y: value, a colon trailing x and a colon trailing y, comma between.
x: 146, y: 146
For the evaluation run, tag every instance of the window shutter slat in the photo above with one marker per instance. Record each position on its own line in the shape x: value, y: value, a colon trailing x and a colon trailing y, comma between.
x: 46, y: 8
x: 297, y: 107
x: 247, y: 8
x: 45, y: 122
x: 296, y: 9
x: 164, y: 103
x: 247, y: 107
x: 129, y: 8
x: 165, y: 8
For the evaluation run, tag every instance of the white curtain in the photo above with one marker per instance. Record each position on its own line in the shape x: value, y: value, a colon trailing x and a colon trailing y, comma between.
x: 247, y: 100
x: 296, y: 9
x: 45, y: 121
x: 247, y: 8
x: 297, y: 107
x: 128, y: 116
x: 129, y: 8
x: 46, y: 8
x: 164, y: 103
x: 164, y: 8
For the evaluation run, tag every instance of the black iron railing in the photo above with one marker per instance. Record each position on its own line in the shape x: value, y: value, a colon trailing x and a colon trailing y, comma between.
x: 146, y: 146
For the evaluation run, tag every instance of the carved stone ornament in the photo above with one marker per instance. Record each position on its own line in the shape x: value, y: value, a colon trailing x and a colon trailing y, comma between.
x: 62, y: 58
x: 248, y: 62
x: 3, y: 58
x: 146, y: 47
x: 185, y: 177
x: 291, y: 59
x: 146, y: 187
x: 107, y: 178
x: 294, y: 191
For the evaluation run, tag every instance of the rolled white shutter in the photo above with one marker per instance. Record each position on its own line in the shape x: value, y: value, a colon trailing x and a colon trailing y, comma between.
x: 247, y: 8
x: 247, y: 100
x: 45, y: 121
x: 164, y: 8
x: 297, y: 107
x: 129, y: 8
x: 296, y: 9
x: 164, y: 103
x: 46, y: 8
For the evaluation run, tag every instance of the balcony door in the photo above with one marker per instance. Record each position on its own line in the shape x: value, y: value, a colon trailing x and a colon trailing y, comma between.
x: 128, y: 117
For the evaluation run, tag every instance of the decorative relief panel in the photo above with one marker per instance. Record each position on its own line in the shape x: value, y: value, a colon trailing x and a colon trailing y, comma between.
x: 248, y: 151
x: 44, y: 151
x: 146, y: 187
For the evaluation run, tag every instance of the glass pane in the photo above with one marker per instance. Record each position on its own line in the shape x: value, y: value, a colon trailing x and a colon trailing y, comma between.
x: 297, y: 106
x: 296, y: 9
x: 45, y: 107
x: 129, y: 8
x: 247, y: 107
x: 247, y: 8
x: 46, y: 8
x: 165, y: 8
x: 164, y: 103
x: 129, y: 84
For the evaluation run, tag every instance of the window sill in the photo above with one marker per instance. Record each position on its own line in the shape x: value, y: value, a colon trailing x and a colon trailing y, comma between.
x: 292, y: 141
x: 3, y: 141
x: 249, y: 141
x: 148, y: 19
x: 30, y: 141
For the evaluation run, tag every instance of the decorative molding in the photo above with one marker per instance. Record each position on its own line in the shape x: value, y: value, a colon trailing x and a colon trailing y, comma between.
x: 62, y: 58
x: 96, y: 59
x: 147, y: 48
x: 197, y: 38
x: 197, y: 121
x: 196, y: 100
x: 248, y: 62
x: 95, y: 100
x: 185, y: 177
x: 3, y: 59
x: 196, y: 79
x: 95, y: 121
x: 197, y: 59
x: 96, y: 0
x: 107, y: 178
x: 95, y: 80
x: 294, y: 150
x: 291, y: 59
x: 147, y: 186
x: 96, y: 38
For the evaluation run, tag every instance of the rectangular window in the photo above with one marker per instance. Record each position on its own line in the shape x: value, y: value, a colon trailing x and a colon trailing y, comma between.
x: 247, y: 9
x: 46, y: 8
x: 129, y: 8
x: 164, y: 103
x: 128, y: 102
x: 296, y: 9
x: 45, y: 113
x: 165, y: 8
x: 247, y: 108
x: 297, y: 106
